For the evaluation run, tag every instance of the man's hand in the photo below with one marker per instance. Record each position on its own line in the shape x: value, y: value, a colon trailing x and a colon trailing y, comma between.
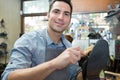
x: 69, y: 56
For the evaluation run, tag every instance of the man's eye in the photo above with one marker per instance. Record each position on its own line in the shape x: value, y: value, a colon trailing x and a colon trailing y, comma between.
x: 56, y: 11
x: 67, y: 14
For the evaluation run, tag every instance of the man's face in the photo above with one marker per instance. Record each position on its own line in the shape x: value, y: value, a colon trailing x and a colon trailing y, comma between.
x: 59, y: 17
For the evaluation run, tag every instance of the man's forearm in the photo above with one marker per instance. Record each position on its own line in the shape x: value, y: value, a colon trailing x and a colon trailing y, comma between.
x: 79, y: 76
x: 39, y: 72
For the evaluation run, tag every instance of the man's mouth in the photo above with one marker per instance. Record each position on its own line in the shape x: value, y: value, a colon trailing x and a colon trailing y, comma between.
x: 60, y: 23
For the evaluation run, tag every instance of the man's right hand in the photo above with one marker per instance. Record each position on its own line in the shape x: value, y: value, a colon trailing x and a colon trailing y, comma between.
x: 69, y: 56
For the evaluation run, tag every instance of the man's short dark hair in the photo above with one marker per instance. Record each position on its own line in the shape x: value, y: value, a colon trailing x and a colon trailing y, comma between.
x: 66, y: 1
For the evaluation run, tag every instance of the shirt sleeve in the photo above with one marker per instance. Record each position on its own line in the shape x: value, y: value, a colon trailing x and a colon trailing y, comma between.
x: 21, y: 54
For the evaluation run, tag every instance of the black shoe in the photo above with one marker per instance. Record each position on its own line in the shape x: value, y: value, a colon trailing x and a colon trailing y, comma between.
x: 97, y: 60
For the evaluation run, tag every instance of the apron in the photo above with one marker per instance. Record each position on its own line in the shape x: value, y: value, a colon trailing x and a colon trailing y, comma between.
x: 62, y: 74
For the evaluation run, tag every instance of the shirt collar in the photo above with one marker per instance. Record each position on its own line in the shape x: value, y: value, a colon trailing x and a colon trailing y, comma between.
x: 49, y: 41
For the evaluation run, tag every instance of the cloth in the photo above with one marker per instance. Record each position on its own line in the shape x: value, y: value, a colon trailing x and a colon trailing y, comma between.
x: 29, y: 51
x: 52, y: 53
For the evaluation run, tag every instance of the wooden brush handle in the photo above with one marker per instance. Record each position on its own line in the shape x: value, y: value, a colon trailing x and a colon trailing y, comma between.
x: 112, y: 73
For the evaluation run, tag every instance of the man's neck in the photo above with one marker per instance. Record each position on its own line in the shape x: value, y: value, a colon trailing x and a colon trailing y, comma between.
x: 54, y: 36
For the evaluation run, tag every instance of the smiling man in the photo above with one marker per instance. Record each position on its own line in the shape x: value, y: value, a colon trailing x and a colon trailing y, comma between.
x: 46, y: 54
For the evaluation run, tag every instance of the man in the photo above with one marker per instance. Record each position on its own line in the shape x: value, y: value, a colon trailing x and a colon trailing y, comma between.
x: 45, y: 54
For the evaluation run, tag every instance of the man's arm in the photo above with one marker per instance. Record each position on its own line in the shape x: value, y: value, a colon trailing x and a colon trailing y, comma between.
x: 39, y: 72
x: 79, y: 76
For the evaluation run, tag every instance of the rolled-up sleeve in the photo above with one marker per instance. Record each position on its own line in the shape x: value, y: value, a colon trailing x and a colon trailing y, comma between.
x: 19, y: 58
x: 22, y: 54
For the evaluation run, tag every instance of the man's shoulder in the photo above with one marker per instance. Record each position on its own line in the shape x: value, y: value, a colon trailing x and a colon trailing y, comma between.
x: 35, y: 34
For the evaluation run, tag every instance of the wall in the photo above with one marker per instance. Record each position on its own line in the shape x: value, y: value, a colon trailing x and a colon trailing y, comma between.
x: 10, y: 12
x: 85, y: 6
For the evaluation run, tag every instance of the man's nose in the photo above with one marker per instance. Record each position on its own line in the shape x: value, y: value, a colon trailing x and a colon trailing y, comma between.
x: 61, y: 16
